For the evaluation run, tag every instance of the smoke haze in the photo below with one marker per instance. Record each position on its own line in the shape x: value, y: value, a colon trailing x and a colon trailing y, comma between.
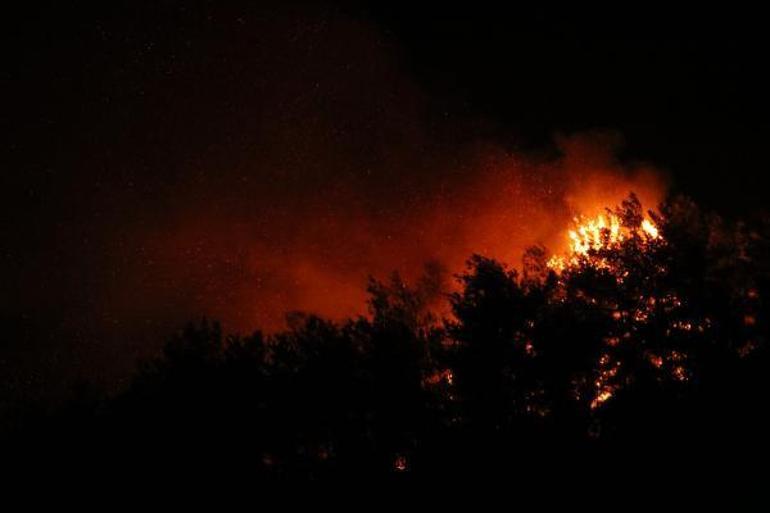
x: 272, y: 170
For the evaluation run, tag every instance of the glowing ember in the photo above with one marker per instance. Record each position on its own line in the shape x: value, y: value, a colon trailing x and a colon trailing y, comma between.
x: 605, y: 389
x: 680, y: 373
x: 657, y: 361
x: 601, y: 398
x: 747, y: 348
x: 438, y: 377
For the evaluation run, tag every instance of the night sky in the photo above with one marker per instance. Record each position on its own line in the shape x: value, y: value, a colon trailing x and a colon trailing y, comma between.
x: 168, y: 160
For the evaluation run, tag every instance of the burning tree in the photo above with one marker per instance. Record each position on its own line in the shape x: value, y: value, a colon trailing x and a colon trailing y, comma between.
x: 648, y: 330
x: 644, y: 309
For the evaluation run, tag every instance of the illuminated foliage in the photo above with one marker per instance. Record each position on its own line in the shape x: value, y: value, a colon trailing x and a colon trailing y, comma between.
x: 646, y: 315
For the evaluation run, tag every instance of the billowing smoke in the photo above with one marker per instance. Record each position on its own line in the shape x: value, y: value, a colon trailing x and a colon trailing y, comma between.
x: 274, y: 170
x: 251, y: 259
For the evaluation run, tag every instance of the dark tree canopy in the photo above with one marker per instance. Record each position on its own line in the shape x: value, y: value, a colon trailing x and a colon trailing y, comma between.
x: 654, y: 348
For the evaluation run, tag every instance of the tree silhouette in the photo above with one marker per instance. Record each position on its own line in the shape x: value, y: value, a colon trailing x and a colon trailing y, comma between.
x: 651, y: 347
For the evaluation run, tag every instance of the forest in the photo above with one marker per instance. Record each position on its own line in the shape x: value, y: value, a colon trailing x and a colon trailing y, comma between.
x: 646, y: 347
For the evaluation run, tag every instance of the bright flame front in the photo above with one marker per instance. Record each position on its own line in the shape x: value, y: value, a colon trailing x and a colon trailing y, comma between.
x: 605, y: 231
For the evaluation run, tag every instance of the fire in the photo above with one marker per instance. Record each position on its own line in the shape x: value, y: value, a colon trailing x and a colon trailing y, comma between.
x: 594, y: 234
x: 438, y: 377
x: 601, y: 398
x: 603, y: 232
x: 649, y: 228
x: 588, y: 242
x: 656, y: 361
x: 603, y: 383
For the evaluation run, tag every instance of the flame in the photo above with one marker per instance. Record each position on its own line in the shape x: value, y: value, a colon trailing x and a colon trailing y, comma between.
x: 650, y: 229
x: 438, y: 377
x: 602, y: 232
x: 595, y: 233
x: 601, y: 398
x: 586, y: 241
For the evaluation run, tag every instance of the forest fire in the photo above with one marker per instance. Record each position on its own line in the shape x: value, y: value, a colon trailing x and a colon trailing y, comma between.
x: 600, y: 242
x: 608, y: 231
x: 301, y: 242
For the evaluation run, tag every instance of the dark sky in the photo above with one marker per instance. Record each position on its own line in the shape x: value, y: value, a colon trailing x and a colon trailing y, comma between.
x: 165, y: 160
x: 686, y: 87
